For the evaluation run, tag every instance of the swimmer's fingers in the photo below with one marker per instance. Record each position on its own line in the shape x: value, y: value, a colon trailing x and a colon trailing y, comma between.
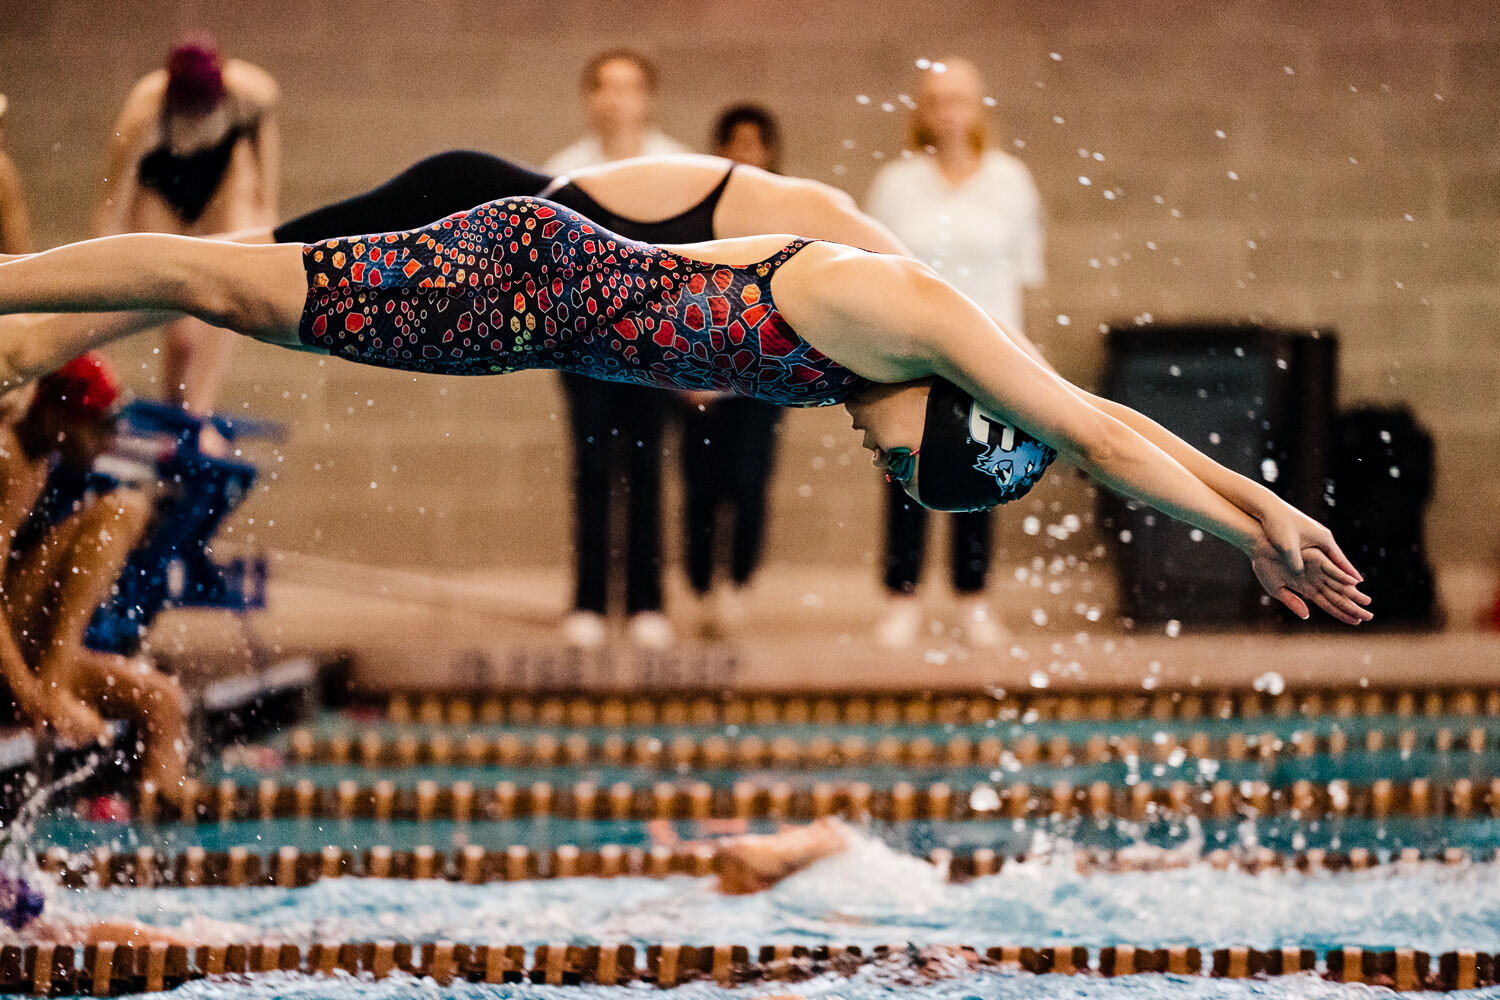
x: 1321, y: 566
x: 1298, y: 607
x: 1340, y: 560
x: 1341, y: 607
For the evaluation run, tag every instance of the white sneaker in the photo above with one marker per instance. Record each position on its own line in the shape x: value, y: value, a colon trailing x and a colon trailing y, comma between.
x: 901, y: 623
x: 584, y: 630
x: 651, y: 630
x: 979, y: 625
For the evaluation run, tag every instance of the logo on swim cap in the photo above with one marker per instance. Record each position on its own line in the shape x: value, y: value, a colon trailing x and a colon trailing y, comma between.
x: 972, y: 460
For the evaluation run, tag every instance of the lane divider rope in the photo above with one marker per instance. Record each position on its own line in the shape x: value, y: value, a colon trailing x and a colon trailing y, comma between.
x: 289, y: 867
x: 463, y: 801
x: 114, y: 970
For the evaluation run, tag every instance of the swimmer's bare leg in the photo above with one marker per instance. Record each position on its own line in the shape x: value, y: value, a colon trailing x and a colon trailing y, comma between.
x: 257, y: 291
x: 104, y: 535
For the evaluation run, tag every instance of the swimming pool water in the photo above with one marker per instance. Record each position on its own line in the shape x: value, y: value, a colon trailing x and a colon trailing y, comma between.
x: 869, y: 895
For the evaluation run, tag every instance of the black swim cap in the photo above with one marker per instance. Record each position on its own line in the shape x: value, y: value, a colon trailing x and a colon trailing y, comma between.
x: 971, y: 460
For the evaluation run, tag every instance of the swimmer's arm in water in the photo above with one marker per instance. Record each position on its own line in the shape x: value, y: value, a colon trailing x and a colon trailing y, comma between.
x: 888, y: 298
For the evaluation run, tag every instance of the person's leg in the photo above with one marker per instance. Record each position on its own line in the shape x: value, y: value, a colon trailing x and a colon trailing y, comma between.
x: 972, y: 535
x: 258, y: 291
x: 702, y: 452
x: 588, y: 412
x: 85, y: 570
x: 132, y: 688
x: 972, y: 553
x: 647, y: 411
x: 905, y: 549
x: 905, y: 540
x: 750, y: 464
x: 427, y: 190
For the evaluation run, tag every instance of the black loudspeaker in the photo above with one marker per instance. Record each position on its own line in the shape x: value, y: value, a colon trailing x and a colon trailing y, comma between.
x: 1255, y: 399
x: 1382, y: 472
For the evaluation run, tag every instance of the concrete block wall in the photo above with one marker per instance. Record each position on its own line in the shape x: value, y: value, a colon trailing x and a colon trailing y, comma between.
x: 1331, y: 163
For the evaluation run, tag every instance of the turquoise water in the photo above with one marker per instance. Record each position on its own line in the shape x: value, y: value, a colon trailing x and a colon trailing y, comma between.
x: 869, y: 895
x: 1361, y: 768
x: 871, y: 984
x: 877, y: 893
x: 1008, y: 729
x: 1381, y: 837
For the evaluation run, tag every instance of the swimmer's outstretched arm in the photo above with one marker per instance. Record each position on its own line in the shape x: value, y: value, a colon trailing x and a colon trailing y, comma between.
x: 897, y: 302
x: 257, y: 291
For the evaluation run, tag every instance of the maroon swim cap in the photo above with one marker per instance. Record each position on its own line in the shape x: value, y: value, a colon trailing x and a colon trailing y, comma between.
x: 195, y: 75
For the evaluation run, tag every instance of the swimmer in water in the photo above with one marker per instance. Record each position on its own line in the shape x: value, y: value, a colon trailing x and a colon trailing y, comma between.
x: 754, y: 862
x: 952, y: 407
x: 21, y: 906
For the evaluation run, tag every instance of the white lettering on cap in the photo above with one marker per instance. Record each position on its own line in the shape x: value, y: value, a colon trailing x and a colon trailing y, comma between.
x: 981, y: 427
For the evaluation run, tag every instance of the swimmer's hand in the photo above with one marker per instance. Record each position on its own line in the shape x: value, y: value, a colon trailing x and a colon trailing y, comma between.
x: 1291, y: 531
x: 1317, y: 579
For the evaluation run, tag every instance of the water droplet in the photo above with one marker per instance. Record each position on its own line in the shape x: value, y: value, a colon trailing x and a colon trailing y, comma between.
x: 1174, y: 628
x: 1270, y: 683
x: 1039, y: 679
x: 984, y: 798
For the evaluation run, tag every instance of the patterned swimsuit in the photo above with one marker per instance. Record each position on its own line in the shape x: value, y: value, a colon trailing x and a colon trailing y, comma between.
x: 526, y: 283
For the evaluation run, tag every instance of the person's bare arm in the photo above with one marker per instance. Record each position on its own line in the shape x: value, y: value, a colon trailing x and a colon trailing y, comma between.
x: 15, y: 222
x: 889, y: 299
x: 122, y: 156
x: 258, y: 93
x: 818, y: 211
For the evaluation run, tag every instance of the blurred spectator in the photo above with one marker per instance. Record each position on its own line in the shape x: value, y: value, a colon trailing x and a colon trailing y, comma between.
x: 972, y: 212
x: 617, y: 428
x: 729, y: 444
x: 15, y: 224
x: 64, y: 538
x: 195, y: 151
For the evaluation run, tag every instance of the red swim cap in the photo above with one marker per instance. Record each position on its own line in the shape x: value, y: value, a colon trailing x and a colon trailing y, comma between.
x: 195, y: 75
x: 85, y: 388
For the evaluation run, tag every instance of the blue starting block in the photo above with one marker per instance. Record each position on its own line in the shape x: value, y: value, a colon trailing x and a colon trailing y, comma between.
x: 171, y: 566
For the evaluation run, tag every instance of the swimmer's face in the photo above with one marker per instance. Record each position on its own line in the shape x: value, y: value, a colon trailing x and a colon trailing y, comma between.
x: 747, y: 144
x: 951, y: 102
x: 892, y: 418
x: 620, y: 98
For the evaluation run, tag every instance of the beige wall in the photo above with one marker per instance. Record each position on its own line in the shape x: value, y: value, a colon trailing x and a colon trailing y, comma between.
x: 1357, y: 183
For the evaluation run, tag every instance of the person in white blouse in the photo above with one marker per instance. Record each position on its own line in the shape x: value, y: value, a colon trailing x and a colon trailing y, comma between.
x: 617, y: 429
x: 973, y: 214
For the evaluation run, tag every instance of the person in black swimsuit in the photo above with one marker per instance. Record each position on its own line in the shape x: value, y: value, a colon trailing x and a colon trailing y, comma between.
x: 951, y: 406
x: 195, y: 151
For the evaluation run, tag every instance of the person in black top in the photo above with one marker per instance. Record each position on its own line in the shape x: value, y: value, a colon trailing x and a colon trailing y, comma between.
x: 195, y: 151
x: 729, y: 443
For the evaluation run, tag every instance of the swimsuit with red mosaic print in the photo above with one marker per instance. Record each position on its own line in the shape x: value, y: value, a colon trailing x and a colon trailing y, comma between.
x: 526, y: 283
